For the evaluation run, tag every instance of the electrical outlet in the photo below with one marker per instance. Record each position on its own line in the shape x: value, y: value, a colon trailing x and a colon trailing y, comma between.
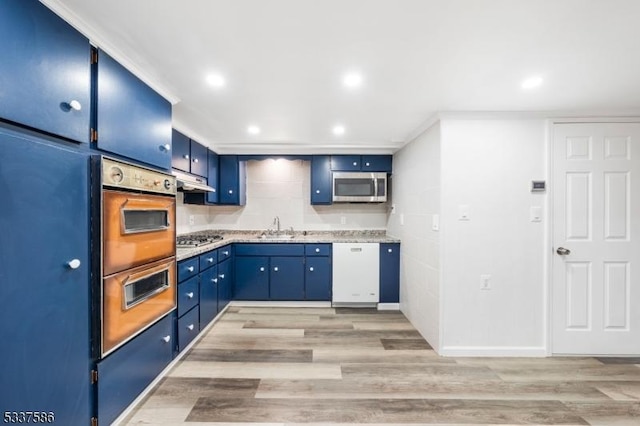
x: 485, y: 282
x: 192, y: 219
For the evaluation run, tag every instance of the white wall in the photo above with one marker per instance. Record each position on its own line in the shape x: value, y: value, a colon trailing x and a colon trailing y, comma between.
x: 280, y: 188
x: 415, y: 192
x: 488, y: 165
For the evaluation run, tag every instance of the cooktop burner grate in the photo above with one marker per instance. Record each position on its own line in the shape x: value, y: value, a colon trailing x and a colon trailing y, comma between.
x: 196, y: 241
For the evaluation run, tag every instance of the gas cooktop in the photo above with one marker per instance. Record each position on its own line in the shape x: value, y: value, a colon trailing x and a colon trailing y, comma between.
x: 190, y: 241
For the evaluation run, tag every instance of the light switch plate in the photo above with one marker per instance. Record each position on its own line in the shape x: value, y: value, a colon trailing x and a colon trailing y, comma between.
x: 463, y: 212
x: 535, y: 214
x: 435, y: 222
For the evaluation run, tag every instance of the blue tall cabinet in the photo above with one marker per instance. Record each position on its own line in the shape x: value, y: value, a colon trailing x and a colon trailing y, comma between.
x: 44, y: 278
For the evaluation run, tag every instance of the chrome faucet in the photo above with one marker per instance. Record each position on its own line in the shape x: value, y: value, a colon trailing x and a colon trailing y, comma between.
x: 276, y: 222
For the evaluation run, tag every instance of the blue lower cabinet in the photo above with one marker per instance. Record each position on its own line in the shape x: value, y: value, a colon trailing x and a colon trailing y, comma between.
x: 188, y: 327
x: 208, y: 295
x: 286, y: 276
x: 390, y: 273
x: 188, y: 268
x: 318, y: 278
x: 188, y: 295
x: 124, y: 374
x: 225, y: 280
x: 251, y: 278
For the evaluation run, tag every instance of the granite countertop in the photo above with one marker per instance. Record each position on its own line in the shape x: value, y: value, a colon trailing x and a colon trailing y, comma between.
x: 235, y: 236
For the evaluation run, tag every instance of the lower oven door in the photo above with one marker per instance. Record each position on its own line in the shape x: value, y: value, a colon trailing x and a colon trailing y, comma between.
x: 137, y: 229
x: 133, y: 300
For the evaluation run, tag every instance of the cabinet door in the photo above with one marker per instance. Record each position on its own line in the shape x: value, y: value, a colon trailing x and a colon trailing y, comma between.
x: 317, y: 278
x: 45, y: 305
x: 180, y: 146
x: 251, y: 278
x: 212, y: 177
x: 232, y: 180
x: 225, y: 280
x: 45, y: 71
x: 188, y: 328
x: 321, y: 179
x: 376, y: 163
x: 208, y: 296
x: 390, y: 273
x: 198, y: 159
x: 286, y: 278
x: 187, y: 295
x: 133, y: 120
x: 345, y: 163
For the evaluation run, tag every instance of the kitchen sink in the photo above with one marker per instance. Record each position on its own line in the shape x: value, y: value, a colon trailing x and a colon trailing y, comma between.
x: 275, y: 236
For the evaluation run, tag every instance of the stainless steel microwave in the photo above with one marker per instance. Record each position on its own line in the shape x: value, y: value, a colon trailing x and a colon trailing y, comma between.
x: 356, y: 187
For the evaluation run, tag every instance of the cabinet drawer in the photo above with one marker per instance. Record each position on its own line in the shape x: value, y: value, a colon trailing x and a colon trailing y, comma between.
x: 224, y: 253
x: 188, y: 328
x: 188, y: 295
x: 126, y: 372
x: 208, y: 259
x: 317, y: 249
x: 188, y: 268
x: 268, y: 249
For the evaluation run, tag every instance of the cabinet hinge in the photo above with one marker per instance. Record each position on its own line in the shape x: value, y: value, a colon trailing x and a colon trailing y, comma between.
x: 94, y: 135
x: 94, y: 377
x: 94, y: 56
x: 94, y: 421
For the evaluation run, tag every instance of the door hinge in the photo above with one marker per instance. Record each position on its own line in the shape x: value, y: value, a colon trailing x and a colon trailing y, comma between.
x: 94, y: 135
x: 94, y: 56
x: 94, y: 421
x: 94, y: 377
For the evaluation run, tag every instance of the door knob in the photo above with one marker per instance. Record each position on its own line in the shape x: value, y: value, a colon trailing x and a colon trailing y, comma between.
x: 563, y: 251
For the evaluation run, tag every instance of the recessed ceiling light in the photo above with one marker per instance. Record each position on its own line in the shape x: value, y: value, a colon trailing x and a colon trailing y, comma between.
x: 338, y: 130
x: 253, y: 130
x: 216, y: 80
x: 352, y: 80
x: 532, y: 83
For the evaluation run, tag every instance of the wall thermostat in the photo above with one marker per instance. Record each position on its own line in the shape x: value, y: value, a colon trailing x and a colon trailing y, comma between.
x: 538, y: 186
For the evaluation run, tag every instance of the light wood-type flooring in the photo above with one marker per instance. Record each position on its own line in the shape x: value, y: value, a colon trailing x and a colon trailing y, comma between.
x: 285, y: 366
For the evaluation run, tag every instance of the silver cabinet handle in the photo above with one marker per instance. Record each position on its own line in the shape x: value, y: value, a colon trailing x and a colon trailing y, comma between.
x: 317, y: 191
x: 563, y: 251
x: 191, y: 269
x: 317, y: 250
x: 355, y: 164
x: 186, y: 156
x: 222, y: 276
x: 166, y: 147
x: 275, y: 269
x: 213, y: 190
x: 190, y: 295
x: 390, y: 250
x: 195, y: 160
x: 311, y: 269
x: 166, y: 339
x: 74, y: 263
x: 190, y: 327
x: 231, y: 191
x: 226, y: 253
x: 214, y: 280
x: 262, y: 269
x: 367, y: 164
x: 75, y: 105
x: 210, y: 259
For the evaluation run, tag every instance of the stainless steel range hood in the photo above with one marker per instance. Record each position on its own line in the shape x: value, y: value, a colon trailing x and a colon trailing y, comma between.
x: 191, y: 183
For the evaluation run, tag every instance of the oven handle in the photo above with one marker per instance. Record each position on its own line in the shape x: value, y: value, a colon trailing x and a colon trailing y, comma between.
x: 139, y: 277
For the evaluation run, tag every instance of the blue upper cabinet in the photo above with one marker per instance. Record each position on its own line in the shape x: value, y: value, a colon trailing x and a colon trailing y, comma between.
x: 212, y: 177
x: 232, y: 180
x: 320, y: 179
x: 132, y: 119
x: 188, y: 155
x: 45, y: 71
x: 361, y: 163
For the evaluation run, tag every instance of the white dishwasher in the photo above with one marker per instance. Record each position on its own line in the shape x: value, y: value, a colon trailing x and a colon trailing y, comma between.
x: 356, y: 274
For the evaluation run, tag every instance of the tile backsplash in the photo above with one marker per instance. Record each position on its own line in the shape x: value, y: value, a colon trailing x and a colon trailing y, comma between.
x: 280, y: 188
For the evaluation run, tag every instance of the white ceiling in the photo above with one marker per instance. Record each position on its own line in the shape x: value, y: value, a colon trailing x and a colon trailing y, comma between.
x: 284, y: 61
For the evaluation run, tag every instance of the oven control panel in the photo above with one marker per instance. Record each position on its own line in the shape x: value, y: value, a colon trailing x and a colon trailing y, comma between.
x: 117, y: 174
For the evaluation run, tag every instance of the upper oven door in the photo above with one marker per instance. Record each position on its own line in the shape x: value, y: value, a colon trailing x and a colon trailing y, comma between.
x: 356, y: 187
x: 137, y: 229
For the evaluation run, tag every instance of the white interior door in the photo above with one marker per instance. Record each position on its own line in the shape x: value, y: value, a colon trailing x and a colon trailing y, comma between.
x: 596, y: 226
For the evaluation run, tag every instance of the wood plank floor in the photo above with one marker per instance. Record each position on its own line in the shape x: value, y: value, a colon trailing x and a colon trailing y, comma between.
x: 287, y: 366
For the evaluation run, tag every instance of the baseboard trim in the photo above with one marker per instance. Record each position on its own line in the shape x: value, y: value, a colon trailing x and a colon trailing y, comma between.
x: 494, y: 351
x: 280, y: 304
x: 388, y: 306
